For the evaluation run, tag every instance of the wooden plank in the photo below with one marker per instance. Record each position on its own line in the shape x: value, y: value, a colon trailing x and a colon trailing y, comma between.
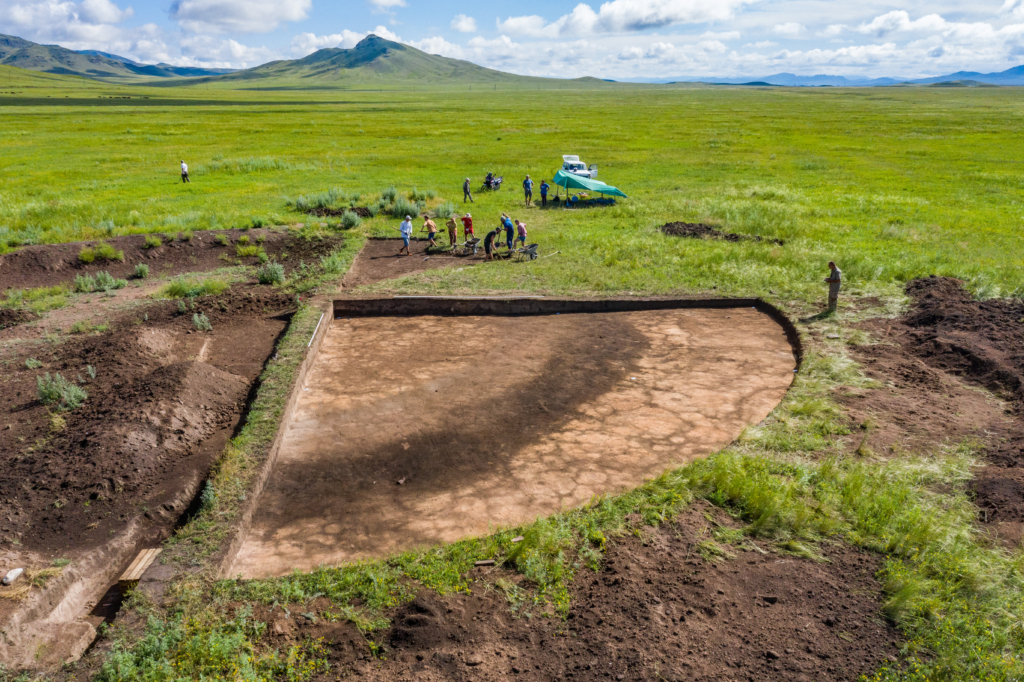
x: 143, y: 561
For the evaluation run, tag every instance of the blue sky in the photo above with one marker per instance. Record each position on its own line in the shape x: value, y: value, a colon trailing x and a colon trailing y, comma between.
x: 615, y: 39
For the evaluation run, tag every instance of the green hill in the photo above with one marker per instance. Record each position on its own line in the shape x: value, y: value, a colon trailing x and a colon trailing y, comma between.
x: 373, y: 60
x: 25, y: 54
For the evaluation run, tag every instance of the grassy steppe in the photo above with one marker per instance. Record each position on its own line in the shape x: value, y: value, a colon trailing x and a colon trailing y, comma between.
x: 892, y: 183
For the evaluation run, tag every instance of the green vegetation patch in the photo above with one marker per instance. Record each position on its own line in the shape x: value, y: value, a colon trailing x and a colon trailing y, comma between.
x: 100, y: 252
x: 38, y: 300
x: 187, y: 287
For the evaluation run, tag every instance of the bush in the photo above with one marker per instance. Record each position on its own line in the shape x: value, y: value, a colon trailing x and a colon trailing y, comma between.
x: 350, y: 220
x: 201, y: 322
x: 141, y: 271
x: 243, y: 240
x: 85, y: 283
x: 153, y: 242
x: 416, y: 195
x: 32, y: 363
x: 258, y: 222
x: 57, y: 390
x: 105, y: 282
x: 445, y: 210
x: 221, y: 239
x: 101, y: 251
x: 271, y: 273
x: 402, y: 208
x: 190, y: 288
x: 354, y: 198
x: 389, y: 195
x: 250, y: 251
x: 373, y: 210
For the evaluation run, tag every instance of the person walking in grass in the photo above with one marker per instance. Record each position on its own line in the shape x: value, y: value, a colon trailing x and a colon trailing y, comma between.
x: 544, y: 187
x: 453, y: 229
x: 431, y: 229
x: 510, y: 229
x: 466, y: 194
x: 834, y: 280
x: 406, y: 229
x: 528, y: 190
x: 467, y: 227
x: 184, y: 172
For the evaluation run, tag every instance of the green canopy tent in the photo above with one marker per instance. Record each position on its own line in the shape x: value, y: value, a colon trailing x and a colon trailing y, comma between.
x: 570, y: 181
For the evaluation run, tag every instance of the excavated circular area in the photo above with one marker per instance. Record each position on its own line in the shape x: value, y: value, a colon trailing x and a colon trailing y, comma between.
x: 412, y: 431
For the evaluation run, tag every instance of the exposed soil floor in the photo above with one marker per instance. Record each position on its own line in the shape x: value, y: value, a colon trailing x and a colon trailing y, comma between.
x: 51, y: 264
x: 656, y: 610
x: 701, y: 231
x: 412, y: 431
x: 377, y: 261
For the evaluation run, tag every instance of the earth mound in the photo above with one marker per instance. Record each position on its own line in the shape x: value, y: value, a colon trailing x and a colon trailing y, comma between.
x: 702, y: 231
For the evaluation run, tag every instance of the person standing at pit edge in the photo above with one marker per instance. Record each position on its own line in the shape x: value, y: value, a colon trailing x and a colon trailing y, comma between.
x: 184, y: 172
x: 544, y: 187
x: 834, y: 280
x: 466, y: 194
x: 528, y: 189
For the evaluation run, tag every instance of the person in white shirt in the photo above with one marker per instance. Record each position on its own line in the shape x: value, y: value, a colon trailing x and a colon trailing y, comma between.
x: 184, y: 172
x: 406, y: 230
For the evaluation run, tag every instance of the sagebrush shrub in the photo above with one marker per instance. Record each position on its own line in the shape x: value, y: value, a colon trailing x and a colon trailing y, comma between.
x: 141, y: 271
x: 105, y: 282
x: 389, y: 195
x: 221, y: 239
x: 152, y: 242
x: 270, y: 273
x: 57, y: 390
x: 85, y: 283
x: 350, y: 220
x: 201, y: 322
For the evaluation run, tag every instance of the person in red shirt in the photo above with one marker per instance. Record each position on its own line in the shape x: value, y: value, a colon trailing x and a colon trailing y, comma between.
x: 467, y: 227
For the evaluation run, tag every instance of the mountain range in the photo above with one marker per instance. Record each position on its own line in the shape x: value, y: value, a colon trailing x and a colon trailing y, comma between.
x: 380, y: 60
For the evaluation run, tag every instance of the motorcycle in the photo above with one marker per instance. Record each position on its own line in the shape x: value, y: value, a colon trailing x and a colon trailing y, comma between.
x: 493, y: 183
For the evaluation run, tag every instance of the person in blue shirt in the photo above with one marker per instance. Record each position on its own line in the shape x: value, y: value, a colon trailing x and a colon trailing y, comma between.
x: 528, y: 189
x: 510, y: 229
x: 544, y: 187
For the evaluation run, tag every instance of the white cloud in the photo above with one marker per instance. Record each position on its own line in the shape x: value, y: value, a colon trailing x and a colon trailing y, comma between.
x: 103, y: 12
x: 899, y: 20
x: 237, y: 16
x: 761, y: 44
x: 622, y: 16
x: 631, y: 54
x: 440, y: 46
x: 206, y: 50
x: 790, y: 29
x: 712, y: 46
x: 1013, y: 6
x: 308, y: 43
x: 387, y: 4
x: 724, y: 35
x: 464, y: 24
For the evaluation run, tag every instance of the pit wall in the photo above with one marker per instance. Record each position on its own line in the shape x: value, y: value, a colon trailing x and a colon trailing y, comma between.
x: 253, y: 496
x: 453, y: 306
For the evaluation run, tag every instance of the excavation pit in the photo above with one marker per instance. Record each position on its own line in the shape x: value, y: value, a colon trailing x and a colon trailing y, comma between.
x: 427, y: 421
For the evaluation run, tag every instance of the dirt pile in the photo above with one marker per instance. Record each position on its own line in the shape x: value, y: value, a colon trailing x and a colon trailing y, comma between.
x: 162, y: 402
x: 949, y: 336
x: 51, y: 264
x: 655, y: 610
x: 10, y: 317
x: 701, y: 231
x: 326, y: 212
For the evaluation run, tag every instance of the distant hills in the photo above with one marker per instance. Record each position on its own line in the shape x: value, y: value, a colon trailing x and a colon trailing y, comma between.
x: 25, y: 54
x: 1014, y: 76
x: 373, y: 59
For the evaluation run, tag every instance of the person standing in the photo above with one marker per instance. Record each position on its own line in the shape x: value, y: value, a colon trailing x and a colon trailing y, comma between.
x: 521, y: 232
x: 466, y: 194
x: 834, y: 280
x: 489, y: 243
x: 467, y: 227
x: 184, y: 172
x: 544, y: 187
x: 453, y: 229
x: 406, y: 230
x: 528, y: 189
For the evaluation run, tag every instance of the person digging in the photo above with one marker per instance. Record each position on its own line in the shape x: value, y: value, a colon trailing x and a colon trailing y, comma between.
x: 489, y: 243
x: 431, y: 229
x: 406, y: 230
x: 453, y: 230
x: 834, y: 281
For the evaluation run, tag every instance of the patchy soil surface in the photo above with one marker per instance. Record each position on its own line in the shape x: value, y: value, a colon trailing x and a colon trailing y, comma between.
x: 928, y: 360
x: 701, y: 231
x: 378, y: 260
x: 162, y: 403
x: 51, y: 264
x: 10, y: 317
x: 325, y: 212
x: 656, y: 610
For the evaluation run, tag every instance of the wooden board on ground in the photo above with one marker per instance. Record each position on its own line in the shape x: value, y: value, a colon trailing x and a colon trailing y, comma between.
x: 134, y: 572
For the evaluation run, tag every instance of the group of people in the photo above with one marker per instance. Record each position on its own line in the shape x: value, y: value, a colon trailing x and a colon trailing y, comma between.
x: 467, y: 193
x: 515, y: 231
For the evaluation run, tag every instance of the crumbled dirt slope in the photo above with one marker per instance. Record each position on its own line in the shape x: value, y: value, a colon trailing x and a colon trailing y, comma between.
x: 702, y: 231
x: 655, y: 610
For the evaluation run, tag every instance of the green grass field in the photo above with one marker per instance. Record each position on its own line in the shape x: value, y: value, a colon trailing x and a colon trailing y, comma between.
x: 891, y: 183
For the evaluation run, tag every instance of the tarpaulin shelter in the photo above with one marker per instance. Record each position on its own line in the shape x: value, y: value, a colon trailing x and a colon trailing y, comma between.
x: 570, y: 181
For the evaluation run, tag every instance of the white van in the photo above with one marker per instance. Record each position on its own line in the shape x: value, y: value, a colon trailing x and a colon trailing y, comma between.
x: 572, y: 164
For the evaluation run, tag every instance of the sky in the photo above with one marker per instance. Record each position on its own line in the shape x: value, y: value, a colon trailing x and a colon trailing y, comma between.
x: 618, y: 39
